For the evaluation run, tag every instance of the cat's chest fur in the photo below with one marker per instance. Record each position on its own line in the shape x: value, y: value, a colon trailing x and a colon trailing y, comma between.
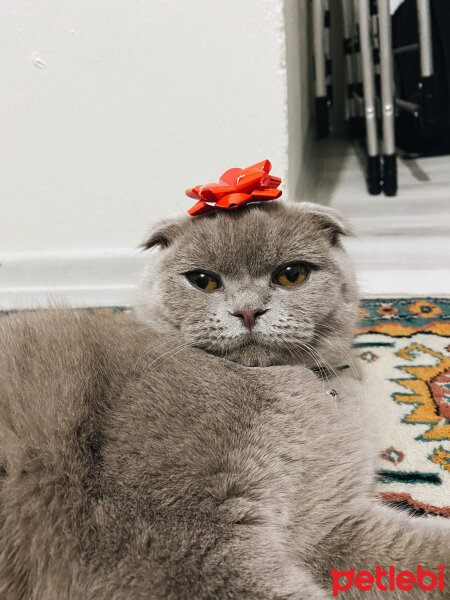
x: 268, y: 446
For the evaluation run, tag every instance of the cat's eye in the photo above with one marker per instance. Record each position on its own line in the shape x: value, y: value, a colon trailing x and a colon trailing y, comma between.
x: 204, y: 281
x: 291, y: 275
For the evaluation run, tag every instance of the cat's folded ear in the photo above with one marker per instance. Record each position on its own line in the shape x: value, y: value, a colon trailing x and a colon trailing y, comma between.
x: 327, y: 219
x: 163, y: 233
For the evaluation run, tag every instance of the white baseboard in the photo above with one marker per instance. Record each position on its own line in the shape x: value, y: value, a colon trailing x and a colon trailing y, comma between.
x: 109, y: 277
x: 88, y: 278
x: 401, y: 265
x: 404, y: 283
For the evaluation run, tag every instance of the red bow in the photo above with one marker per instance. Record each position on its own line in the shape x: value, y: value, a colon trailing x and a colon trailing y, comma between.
x: 236, y: 187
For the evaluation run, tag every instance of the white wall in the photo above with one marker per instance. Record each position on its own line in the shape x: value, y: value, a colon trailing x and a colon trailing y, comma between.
x: 110, y: 109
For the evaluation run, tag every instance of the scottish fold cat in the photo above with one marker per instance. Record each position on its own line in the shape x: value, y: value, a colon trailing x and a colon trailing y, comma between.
x: 216, y: 446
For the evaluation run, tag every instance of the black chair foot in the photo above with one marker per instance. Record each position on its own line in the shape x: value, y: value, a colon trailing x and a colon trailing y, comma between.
x: 322, y: 118
x: 373, y: 175
x: 390, y: 174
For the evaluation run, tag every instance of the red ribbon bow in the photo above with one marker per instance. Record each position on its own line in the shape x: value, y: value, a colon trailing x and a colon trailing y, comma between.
x: 236, y: 187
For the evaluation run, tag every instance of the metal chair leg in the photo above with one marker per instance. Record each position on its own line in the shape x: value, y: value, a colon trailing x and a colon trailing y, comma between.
x: 387, y: 99
x: 321, y: 98
x: 427, y: 83
x: 373, y: 157
x: 360, y: 124
x: 425, y: 38
x: 351, y: 108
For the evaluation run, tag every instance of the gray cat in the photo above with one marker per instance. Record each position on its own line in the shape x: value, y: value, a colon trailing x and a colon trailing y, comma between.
x: 212, y: 448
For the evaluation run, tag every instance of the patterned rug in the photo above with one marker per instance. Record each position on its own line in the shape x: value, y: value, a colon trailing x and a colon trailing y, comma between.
x: 403, y: 353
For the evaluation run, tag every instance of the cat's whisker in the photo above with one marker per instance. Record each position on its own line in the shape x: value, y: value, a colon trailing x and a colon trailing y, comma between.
x: 344, y: 352
x: 172, y: 351
x: 151, y: 350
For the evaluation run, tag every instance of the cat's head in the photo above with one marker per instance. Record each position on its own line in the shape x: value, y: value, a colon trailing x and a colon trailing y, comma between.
x: 266, y: 284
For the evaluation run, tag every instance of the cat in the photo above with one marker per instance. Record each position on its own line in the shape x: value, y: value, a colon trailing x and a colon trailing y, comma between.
x: 213, y: 446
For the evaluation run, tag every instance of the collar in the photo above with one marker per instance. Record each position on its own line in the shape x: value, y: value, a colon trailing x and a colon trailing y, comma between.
x: 326, y: 372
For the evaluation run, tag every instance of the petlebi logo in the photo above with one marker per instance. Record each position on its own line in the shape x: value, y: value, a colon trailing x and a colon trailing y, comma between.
x: 388, y: 580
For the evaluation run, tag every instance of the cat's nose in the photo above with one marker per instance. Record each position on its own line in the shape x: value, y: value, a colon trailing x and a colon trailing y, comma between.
x: 249, y: 316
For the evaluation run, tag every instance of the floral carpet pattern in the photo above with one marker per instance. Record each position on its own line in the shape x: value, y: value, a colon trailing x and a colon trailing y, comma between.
x: 402, y: 350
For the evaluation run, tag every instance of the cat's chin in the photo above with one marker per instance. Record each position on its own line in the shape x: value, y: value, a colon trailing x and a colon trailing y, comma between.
x: 254, y: 355
x: 257, y: 356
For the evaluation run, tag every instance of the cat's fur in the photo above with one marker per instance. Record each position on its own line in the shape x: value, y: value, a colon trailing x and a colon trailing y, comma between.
x: 147, y: 460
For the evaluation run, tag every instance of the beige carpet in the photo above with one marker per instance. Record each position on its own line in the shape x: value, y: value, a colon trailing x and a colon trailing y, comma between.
x: 403, y: 352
